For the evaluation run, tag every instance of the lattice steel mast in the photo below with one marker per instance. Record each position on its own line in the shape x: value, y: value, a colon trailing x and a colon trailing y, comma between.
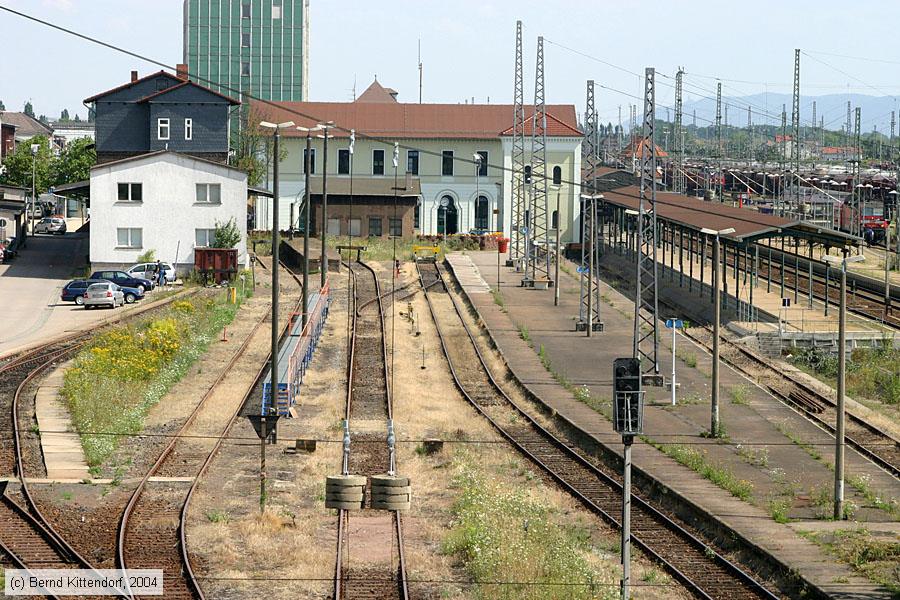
x: 749, y: 136
x: 539, y: 230
x: 589, y: 307
x: 856, y: 203
x: 719, y: 142
x: 518, y: 202
x: 679, y: 146
x: 781, y: 159
x: 646, y: 338
x: 795, y: 130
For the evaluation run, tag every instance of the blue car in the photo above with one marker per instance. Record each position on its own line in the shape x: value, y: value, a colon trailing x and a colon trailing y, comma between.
x: 74, y: 291
x: 124, y: 279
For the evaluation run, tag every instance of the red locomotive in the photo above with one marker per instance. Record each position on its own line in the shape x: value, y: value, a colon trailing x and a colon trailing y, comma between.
x: 873, y: 223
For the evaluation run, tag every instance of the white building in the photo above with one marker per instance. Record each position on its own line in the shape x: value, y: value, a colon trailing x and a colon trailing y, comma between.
x: 164, y: 201
x: 66, y: 132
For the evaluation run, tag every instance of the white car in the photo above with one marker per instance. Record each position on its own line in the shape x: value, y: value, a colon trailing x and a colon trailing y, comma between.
x: 103, y: 294
x: 148, y: 271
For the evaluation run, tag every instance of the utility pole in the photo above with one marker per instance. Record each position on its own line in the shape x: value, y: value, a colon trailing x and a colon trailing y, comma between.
x: 719, y: 142
x: 795, y: 128
x: 679, y: 139
x: 781, y: 159
x: 589, y: 306
x: 420, y: 71
x: 517, y: 242
x: 306, y: 165
x: 621, y: 133
x: 646, y: 306
x: 323, y: 264
x: 856, y: 212
x: 539, y: 255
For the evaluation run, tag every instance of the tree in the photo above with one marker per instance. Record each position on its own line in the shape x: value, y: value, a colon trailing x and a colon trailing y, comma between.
x: 29, y: 110
x: 252, y: 147
x: 2, y: 106
x: 19, y: 165
x: 75, y: 162
x: 77, y: 119
x: 91, y: 115
x: 64, y: 115
x: 227, y: 235
x: 43, y: 119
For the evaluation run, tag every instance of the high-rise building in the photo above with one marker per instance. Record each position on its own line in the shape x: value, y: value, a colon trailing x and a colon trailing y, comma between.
x: 249, y: 46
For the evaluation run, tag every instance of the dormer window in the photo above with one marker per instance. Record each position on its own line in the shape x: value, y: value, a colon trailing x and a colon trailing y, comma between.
x: 162, y: 129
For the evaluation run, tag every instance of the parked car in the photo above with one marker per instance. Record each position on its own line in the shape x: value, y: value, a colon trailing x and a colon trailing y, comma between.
x: 9, y: 248
x: 103, y: 294
x: 124, y: 279
x: 51, y: 225
x: 74, y: 291
x: 148, y: 271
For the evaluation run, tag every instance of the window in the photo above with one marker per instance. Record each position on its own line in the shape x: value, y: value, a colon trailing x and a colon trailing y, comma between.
x: 162, y: 129
x: 245, y: 10
x: 204, y: 237
x: 343, y: 161
x: 482, y: 213
x: 276, y: 12
x: 527, y: 173
x: 554, y: 220
x: 482, y: 167
x: 412, y: 162
x: 557, y: 175
x: 188, y: 129
x: 312, y: 160
x: 354, y: 226
x: 209, y: 193
x: 416, y: 215
x: 334, y: 226
x: 245, y: 40
x: 377, y: 162
x: 375, y: 227
x: 447, y: 163
x: 396, y: 226
x: 245, y: 68
x: 130, y: 192
x: 128, y: 237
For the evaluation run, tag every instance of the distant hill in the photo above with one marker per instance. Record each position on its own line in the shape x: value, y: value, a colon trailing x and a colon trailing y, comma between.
x: 875, y: 110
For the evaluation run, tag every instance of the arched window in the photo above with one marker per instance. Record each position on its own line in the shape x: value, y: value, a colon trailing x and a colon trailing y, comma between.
x: 447, y: 216
x: 554, y: 219
x: 527, y: 173
x: 482, y: 213
x: 557, y: 175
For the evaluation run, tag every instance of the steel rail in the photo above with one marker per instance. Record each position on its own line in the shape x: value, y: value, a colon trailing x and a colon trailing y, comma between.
x: 689, y: 540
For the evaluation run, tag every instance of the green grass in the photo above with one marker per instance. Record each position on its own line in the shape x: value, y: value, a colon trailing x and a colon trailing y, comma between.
x: 757, y: 458
x: 718, y: 474
x: 797, y: 440
x: 381, y: 249
x: 740, y: 394
x: 523, y: 333
x: 779, y: 508
x: 498, y: 299
x: 872, y: 373
x: 875, y: 559
x: 880, y: 501
x: 504, y: 534
x: 689, y: 358
x: 124, y: 371
x: 218, y: 516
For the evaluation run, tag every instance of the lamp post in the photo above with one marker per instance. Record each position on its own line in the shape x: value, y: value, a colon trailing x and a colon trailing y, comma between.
x: 323, y: 265
x: 717, y: 317
x: 273, y: 388
x: 478, y: 158
x: 842, y: 371
x: 35, y: 148
x: 307, y: 162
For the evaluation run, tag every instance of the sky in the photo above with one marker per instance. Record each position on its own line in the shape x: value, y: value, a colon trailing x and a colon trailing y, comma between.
x: 468, y: 49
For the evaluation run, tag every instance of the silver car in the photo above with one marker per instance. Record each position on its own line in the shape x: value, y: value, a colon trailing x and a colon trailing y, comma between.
x: 103, y: 294
x: 51, y: 225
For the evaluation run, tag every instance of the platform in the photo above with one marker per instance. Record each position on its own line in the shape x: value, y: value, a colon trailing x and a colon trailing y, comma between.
x: 753, y: 423
x: 292, y: 254
x: 61, y: 446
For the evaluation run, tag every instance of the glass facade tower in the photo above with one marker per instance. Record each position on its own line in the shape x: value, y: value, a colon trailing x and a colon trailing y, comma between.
x: 249, y: 46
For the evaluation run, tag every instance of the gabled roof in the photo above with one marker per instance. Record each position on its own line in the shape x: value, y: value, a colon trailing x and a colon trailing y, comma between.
x: 125, y: 86
x: 555, y: 126
x: 377, y: 93
x: 25, y: 125
x: 159, y: 153
x: 184, y: 84
x: 638, y: 144
x: 415, y: 121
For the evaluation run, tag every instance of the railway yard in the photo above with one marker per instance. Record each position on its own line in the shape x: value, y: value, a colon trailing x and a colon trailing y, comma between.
x: 501, y: 440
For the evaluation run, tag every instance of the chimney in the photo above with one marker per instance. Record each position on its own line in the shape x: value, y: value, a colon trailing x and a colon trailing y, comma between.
x: 134, y: 76
x: 182, y: 71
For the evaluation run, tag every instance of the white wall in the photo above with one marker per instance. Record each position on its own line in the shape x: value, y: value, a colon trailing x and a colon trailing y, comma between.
x: 168, y: 214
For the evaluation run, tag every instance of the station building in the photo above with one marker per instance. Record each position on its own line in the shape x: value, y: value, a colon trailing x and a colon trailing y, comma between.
x: 439, y: 189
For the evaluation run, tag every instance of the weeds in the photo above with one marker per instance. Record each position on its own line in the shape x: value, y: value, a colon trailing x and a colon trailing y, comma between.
x: 695, y: 460
x: 861, y: 484
x: 872, y: 373
x: 523, y: 333
x: 218, y: 516
x: 873, y: 558
x: 778, y: 509
x: 757, y: 458
x: 689, y: 358
x: 498, y: 299
x: 739, y: 394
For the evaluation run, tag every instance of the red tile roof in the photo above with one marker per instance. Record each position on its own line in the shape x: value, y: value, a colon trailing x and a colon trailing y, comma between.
x: 636, y: 145
x: 401, y: 120
x: 378, y: 93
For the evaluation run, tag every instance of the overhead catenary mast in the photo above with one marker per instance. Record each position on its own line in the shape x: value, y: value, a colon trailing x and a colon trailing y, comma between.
x: 679, y: 140
x: 795, y: 134
x: 518, y: 203
x: 539, y: 229
x: 589, y: 307
x: 856, y: 203
x: 719, y: 142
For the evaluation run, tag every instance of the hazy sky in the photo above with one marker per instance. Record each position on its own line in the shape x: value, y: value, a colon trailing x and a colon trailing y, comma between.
x: 467, y: 48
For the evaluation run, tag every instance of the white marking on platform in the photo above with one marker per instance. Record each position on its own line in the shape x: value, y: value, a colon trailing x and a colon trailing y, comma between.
x: 467, y: 274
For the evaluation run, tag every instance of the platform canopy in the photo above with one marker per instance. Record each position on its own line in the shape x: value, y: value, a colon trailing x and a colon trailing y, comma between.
x: 749, y: 225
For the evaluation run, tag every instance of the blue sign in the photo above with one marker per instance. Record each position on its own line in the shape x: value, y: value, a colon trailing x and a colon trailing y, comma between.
x: 581, y: 269
x: 676, y: 323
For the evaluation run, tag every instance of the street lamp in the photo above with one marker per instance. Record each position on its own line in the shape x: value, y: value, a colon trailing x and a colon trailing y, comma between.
x: 307, y: 161
x: 35, y: 148
x: 591, y: 238
x: 478, y: 158
x: 273, y: 389
x: 323, y: 267
x: 717, y: 317
x: 842, y: 370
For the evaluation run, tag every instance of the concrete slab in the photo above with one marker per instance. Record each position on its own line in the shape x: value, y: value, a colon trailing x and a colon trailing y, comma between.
x: 61, y: 447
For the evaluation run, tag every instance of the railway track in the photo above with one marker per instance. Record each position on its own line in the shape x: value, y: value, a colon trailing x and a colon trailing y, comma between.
x: 368, y: 399
x: 151, y: 531
x: 695, y: 564
x: 26, y: 535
